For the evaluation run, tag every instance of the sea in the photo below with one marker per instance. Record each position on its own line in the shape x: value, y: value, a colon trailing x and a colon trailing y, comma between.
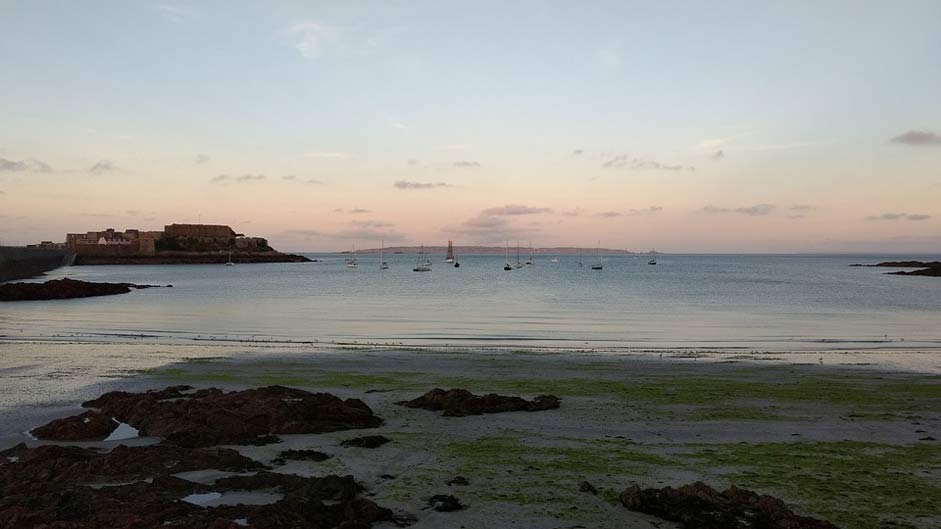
x: 756, y: 303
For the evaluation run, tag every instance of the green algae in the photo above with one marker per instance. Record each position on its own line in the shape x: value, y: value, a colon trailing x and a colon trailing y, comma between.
x: 852, y: 484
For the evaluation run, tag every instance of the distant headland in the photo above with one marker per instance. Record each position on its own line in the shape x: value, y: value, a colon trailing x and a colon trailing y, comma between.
x: 176, y: 244
x: 494, y: 250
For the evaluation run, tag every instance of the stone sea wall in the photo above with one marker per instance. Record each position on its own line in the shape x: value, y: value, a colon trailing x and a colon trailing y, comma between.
x: 20, y: 263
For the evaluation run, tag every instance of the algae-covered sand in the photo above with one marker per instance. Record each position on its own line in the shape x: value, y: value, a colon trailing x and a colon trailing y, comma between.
x: 852, y: 445
x: 849, y: 445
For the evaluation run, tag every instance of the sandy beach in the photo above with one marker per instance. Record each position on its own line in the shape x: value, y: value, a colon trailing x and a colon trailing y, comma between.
x: 852, y: 444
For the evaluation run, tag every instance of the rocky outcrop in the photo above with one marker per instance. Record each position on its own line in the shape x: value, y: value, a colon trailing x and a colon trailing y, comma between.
x: 134, y: 488
x: 211, y: 416
x: 925, y: 268
x: 460, y: 403
x: 89, y: 426
x: 303, y: 455
x: 63, y: 289
x: 368, y: 441
x: 699, y: 506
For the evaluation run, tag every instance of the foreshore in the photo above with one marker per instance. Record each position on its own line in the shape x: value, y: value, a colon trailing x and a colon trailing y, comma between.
x: 849, y: 444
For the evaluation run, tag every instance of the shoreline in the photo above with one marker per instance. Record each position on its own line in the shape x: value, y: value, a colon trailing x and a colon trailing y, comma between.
x: 625, y: 419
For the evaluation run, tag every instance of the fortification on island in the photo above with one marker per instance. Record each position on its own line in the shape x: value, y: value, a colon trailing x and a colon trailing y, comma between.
x: 176, y: 243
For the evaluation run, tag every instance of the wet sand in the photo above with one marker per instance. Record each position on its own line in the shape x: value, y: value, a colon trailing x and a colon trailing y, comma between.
x: 846, y: 443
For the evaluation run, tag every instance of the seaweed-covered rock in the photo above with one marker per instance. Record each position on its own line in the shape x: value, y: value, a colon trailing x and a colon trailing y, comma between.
x: 445, y: 503
x: 71, y: 488
x: 63, y: 289
x: 460, y: 403
x: 303, y: 455
x: 90, y: 425
x: 367, y: 441
x: 211, y: 416
x: 699, y: 506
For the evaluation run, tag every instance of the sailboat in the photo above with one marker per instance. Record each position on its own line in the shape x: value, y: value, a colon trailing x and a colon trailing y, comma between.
x: 600, y: 264
x: 554, y: 260
x: 382, y: 263
x: 450, y: 257
x: 653, y: 260
x: 580, y: 258
x: 229, y: 262
x: 518, y: 263
x: 506, y: 255
x: 422, y: 264
x: 529, y: 262
x: 351, y: 261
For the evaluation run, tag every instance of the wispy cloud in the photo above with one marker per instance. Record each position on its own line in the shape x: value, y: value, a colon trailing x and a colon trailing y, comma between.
x: 175, y: 12
x: 773, y: 147
x: 466, y: 164
x: 201, y: 159
x: 573, y: 212
x: 641, y: 164
x: 758, y: 210
x: 310, y: 36
x: 346, y: 234
x: 609, y: 214
x: 412, y: 161
x: 371, y: 224
x: 899, y: 216
x: 13, y: 166
x: 578, y: 152
x: 103, y: 166
x: 515, y: 209
x: 645, y: 211
x: 457, y: 147
x: 292, y: 178
x: 803, y: 207
x: 327, y: 155
x: 918, y: 138
x: 352, y: 211
x: 718, y: 155
x: 224, y: 178
x: 407, y: 185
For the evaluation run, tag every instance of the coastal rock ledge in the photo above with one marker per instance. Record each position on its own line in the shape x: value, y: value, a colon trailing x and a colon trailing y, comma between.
x: 461, y: 403
x: 699, y: 506
x: 208, y: 417
x: 64, y: 289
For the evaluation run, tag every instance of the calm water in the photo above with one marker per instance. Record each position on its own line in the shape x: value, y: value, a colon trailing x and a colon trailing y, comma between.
x: 722, y: 301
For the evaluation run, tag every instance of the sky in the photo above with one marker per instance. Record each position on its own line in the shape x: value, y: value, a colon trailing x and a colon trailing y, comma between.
x: 731, y: 126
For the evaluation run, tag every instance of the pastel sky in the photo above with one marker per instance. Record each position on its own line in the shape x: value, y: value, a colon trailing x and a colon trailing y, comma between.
x: 735, y: 126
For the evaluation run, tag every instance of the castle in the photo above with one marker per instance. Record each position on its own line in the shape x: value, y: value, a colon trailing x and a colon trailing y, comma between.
x: 174, y: 237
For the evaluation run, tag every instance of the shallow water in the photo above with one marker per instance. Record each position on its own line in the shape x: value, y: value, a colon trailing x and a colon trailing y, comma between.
x: 755, y: 302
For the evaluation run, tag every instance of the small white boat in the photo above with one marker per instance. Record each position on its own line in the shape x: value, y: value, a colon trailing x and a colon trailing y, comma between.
x: 518, y: 263
x: 506, y: 256
x: 229, y: 262
x: 382, y: 263
x: 529, y: 262
x: 554, y: 260
x: 422, y: 264
x: 653, y: 260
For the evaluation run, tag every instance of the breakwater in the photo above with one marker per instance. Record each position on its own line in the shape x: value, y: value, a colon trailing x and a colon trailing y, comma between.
x: 19, y: 263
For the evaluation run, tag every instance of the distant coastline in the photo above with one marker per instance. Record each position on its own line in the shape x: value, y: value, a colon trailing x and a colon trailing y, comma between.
x: 494, y: 250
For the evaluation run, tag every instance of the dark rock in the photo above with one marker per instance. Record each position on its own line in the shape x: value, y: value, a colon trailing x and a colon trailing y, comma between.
x: 303, y: 455
x: 63, y: 289
x: 933, y: 271
x: 929, y: 438
x: 211, y: 416
x: 698, y: 506
x: 49, y: 488
x: 368, y: 441
x: 90, y: 425
x: 459, y: 480
x: 445, y: 503
x: 587, y: 487
x: 386, y: 476
x: 460, y: 403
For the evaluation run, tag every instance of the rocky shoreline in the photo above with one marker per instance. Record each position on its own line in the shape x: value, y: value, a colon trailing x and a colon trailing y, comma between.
x: 65, y: 289
x: 170, y: 258
x: 154, y: 485
x: 925, y: 268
